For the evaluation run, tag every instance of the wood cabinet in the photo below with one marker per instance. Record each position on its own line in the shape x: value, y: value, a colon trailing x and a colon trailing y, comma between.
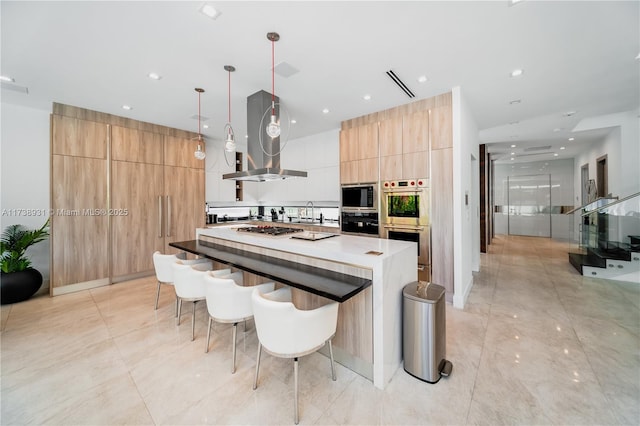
x: 78, y: 150
x: 129, y: 189
x: 415, y: 145
x: 391, y: 148
x: 441, y: 219
x: 442, y: 197
x: 184, y: 189
x: 79, y: 205
x: 179, y: 152
x: 359, y: 153
x: 404, y: 146
x: 78, y: 138
x: 137, y: 229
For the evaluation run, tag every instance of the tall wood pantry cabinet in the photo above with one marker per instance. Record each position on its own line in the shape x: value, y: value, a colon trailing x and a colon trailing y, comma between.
x: 120, y: 190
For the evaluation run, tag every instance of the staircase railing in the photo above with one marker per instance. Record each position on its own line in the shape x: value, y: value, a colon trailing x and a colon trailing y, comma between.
x: 614, y: 228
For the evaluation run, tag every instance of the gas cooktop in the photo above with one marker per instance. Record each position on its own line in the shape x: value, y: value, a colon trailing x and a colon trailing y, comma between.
x: 270, y: 230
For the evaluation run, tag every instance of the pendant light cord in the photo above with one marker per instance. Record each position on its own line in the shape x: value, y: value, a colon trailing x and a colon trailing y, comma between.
x: 199, y: 137
x: 273, y: 84
x: 229, y: 98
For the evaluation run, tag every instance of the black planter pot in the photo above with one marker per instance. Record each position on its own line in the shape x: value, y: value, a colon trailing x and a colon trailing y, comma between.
x: 19, y: 286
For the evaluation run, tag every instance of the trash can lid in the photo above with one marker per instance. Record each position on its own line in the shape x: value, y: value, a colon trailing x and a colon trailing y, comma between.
x: 423, y: 291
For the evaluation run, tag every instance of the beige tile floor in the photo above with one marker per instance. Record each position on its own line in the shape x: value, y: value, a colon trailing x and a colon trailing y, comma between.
x: 536, y: 344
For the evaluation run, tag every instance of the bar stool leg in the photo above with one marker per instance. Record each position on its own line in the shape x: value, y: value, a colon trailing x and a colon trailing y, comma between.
x: 295, y: 390
x: 235, y: 330
x: 255, y: 380
x: 206, y: 349
x: 193, y: 323
x: 333, y: 365
x: 179, y: 312
x: 177, y: 303
x: 157, y: 296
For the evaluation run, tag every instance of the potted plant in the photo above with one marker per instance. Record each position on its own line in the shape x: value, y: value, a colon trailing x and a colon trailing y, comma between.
x: 19, y: 281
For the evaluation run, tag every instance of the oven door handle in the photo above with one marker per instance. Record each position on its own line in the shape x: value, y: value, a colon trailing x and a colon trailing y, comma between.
x: 404, y: 228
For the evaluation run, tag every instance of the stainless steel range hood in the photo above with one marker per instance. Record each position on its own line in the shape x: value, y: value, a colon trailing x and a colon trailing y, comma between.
x: 260, y: 166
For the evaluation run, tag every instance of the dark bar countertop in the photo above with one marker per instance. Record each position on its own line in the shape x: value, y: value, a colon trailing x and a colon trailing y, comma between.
x: 329, y: 284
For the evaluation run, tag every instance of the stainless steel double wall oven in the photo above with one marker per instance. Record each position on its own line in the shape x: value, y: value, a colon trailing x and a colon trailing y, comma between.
x: 405, y: 216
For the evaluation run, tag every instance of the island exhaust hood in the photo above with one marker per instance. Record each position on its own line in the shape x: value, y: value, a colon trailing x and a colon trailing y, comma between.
x: 260, y: 166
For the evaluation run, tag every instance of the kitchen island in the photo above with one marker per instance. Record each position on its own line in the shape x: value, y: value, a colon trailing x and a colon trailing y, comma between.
x: 369, y: 335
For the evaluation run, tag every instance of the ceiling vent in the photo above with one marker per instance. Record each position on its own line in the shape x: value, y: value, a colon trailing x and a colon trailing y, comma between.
x: 15, y: 87
x: 285, y: 69
x: 537, y: 148
x: 392, y: 75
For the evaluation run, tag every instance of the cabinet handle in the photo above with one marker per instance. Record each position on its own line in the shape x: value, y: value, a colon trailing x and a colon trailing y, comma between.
x: 159, y: 216
x: 168, y: 215
x: 404, y: 228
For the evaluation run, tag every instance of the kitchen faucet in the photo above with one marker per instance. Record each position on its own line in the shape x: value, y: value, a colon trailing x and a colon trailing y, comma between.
x: 312, y: 210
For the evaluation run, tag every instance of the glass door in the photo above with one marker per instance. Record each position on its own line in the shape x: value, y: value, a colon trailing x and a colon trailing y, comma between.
x: 530, y: 205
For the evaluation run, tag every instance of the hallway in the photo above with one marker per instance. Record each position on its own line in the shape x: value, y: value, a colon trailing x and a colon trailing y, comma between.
x: 536, y: 344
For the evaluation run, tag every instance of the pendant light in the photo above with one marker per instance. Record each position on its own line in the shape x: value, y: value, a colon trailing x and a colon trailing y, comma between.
x: 199, y: 153
x: 230, y: 144
x: 276, y: 111
x: 273, y: 128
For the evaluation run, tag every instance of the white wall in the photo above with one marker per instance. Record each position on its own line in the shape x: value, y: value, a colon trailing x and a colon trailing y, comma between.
x: 319, y: 156
x: 622, y: 147
x: 24, y: 177
x: 466, y: 225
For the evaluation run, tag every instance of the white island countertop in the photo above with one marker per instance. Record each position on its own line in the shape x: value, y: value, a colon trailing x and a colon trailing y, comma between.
x: 365, y: 252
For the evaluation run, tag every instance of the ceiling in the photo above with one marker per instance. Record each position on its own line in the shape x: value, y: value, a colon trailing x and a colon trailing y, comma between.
x: 579, y: 60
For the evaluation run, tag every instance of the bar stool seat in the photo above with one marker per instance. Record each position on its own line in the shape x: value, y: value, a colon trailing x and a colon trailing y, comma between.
x: 163, y: 265
x: 228, y: 301
x: 287, y: 332
x: 189, y: 285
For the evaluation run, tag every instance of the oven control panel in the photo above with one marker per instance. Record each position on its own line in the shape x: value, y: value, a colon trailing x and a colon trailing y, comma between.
x: 406, y: 184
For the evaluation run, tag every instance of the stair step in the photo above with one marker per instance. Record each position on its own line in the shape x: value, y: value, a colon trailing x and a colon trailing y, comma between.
x: 579, y: 260
x: 618, y: 253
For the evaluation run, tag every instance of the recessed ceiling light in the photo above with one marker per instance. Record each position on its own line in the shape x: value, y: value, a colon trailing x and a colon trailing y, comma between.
x: 8, y: 79
x: 638, y: 57
x: 512, y: 158
x: 571, y: 139
x: 422, y: 79
x: 513, y: 146
x: 555, y: 155
x: 293, y: 121
x: 205, y: 126
x: 325, y: 111
x: 246, y: 136
x: 513, y: 153
x: 154, y: 76
x: 515, y: 102
x: 210, y: 11
x: 517, y: 73
x: 367, y: 97
x: 127, y: 107
x: 514, y: 2
x: 562, y: 147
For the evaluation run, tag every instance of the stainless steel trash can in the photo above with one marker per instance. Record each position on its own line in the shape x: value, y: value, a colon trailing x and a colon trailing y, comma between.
x: 424, y: 340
